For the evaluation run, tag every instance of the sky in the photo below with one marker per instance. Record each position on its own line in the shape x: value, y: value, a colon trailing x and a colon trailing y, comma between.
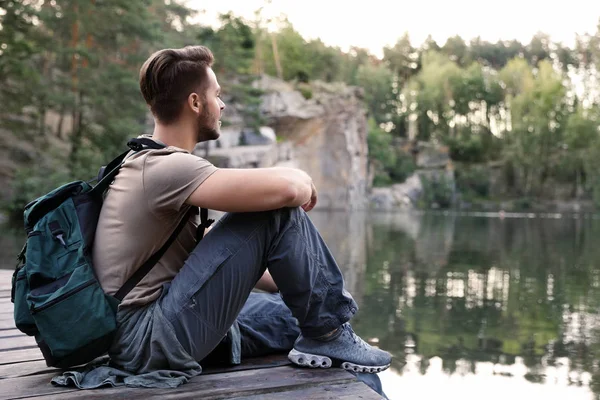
x: 374, y: 24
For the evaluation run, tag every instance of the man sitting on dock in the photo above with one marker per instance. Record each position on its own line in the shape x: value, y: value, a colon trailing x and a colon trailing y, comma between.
x: 185, y: 306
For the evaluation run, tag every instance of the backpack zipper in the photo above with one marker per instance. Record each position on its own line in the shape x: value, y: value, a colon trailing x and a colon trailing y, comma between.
x: 62, y: 296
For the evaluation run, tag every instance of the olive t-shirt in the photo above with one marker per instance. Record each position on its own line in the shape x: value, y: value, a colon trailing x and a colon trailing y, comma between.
x: 142, y: 208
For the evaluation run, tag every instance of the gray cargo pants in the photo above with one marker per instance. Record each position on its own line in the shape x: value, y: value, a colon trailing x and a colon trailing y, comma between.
x: 208, y: 293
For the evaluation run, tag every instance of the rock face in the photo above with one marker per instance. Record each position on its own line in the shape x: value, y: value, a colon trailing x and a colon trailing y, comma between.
x: 329, y: 137
x: 399, y: 196
x: 432, y: 156
x: 433, y: 165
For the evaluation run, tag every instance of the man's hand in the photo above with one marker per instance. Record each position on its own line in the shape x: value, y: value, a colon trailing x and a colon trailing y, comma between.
x: 309, y: 205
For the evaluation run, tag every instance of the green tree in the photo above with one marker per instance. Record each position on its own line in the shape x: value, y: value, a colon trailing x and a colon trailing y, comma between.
x: 539, y: 48
x: 402, y: 59
x: 234, y: 47
x: 430, y: 95
x: 75, y: 65
x: 296, y: 63
x: 376, y: 80
x: 456, y: 49
x: 327, y: 62
x: 538, y: 114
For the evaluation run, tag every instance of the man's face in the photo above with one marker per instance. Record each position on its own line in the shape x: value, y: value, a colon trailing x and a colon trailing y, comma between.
x: 209, y: 120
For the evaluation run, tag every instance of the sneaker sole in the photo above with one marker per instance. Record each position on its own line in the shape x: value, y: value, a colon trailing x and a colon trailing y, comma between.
x: 316, y: 361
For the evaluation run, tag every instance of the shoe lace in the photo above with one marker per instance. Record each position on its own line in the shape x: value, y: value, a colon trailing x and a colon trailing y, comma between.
x: 357, y: 339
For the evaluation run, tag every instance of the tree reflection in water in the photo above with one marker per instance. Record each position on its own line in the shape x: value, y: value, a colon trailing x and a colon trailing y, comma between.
x: 521, y: 295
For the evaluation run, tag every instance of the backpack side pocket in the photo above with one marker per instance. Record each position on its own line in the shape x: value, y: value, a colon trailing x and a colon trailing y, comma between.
x: 23, y: 319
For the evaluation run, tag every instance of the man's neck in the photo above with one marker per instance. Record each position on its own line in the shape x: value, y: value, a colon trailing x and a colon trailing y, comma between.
x: 179, y: 134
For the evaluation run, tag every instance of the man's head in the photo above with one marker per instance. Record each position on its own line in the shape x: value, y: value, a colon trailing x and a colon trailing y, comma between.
x: 179, y: 84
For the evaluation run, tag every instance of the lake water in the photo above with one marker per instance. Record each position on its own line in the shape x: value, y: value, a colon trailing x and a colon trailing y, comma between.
x: 473, y: 307
x: 470, y: 307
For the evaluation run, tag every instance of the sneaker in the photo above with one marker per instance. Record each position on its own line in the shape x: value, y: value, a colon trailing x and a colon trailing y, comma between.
x: 345, y: 350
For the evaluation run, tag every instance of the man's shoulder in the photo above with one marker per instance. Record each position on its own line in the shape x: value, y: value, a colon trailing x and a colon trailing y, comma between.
x: 164, y: 156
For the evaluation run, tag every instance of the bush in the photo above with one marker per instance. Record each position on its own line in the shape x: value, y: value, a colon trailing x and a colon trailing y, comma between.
x: 27, y: 185
x: 437, y: 193
x: 306, y: 91
x: 392, y: 165
x: 403, y: 167
x: 468, y: 146
x: 523, y: 204
x: 472, y: 181
x: 382, y: 179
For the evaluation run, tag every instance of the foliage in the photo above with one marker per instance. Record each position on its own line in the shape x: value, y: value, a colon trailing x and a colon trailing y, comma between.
x: 472, y: 181
x: 391, y: 163
x: 438, y: 192
x: 377, y: 82
x: 381, y: 154
x: 68, y: 71
x: 75, y: 63
x: 29, y: 184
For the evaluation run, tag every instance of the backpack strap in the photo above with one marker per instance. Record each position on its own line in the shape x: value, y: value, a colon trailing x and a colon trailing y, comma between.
x: 205, y: 223
x: 108, y: 173
x: 113, y: 167
x: 153, y: 260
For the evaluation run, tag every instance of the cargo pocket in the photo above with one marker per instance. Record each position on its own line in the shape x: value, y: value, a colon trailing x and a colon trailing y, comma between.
x: 199, y: 269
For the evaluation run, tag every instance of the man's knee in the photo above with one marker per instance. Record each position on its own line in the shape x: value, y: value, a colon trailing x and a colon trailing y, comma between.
x: 284, y: 215
x: 289, y: 213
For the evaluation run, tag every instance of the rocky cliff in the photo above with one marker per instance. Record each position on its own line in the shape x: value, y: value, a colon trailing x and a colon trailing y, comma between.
x: 329, y: 137
x: 325, y: 135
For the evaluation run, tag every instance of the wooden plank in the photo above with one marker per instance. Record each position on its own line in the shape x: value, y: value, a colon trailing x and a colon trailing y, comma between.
x: 36, y: 367
x: 4, y: 301
x: 6, y: 279
x: 7, y: 324
x: 16, y: 356
x: 350, y: 391
x: 270, y: 361
x: 225, y: 385
x: 16, y: 342
x: 23, y: 387
x: 6, y: 314
x: 4, y: 293
x: 25, y: 368
x: 10, y: 332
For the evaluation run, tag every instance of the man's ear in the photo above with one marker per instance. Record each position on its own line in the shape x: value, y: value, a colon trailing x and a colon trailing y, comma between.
x: 194, y: 103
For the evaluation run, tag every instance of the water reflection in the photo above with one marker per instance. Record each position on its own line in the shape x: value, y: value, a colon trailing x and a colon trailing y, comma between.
x: 467, y: 296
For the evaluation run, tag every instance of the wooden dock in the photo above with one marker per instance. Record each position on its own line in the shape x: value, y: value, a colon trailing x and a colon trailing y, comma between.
x: 24, y: 374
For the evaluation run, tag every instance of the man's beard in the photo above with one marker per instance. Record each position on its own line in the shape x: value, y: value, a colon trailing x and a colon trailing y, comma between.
x: 207, y: 129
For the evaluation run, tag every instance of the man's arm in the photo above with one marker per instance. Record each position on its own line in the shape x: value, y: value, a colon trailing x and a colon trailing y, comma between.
x: 258, y: 189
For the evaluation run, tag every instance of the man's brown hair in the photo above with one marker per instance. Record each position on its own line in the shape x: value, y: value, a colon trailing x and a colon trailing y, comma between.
x: 170, y: 75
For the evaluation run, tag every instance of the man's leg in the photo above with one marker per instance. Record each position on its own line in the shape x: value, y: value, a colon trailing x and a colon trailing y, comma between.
x: 267, y: 326
x: 208, y: 293
x: 210, y: 290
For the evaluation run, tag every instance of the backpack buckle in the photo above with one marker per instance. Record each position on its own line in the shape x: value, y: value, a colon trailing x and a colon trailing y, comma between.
x: 135, y: 146
x: 57, y: 232
x: 21, y: 256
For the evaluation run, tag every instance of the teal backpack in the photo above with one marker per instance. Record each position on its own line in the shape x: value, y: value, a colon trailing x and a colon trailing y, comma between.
x: 56, y: 295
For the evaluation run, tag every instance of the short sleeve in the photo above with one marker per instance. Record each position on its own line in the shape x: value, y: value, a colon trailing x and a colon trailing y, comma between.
x: 170, y: 178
